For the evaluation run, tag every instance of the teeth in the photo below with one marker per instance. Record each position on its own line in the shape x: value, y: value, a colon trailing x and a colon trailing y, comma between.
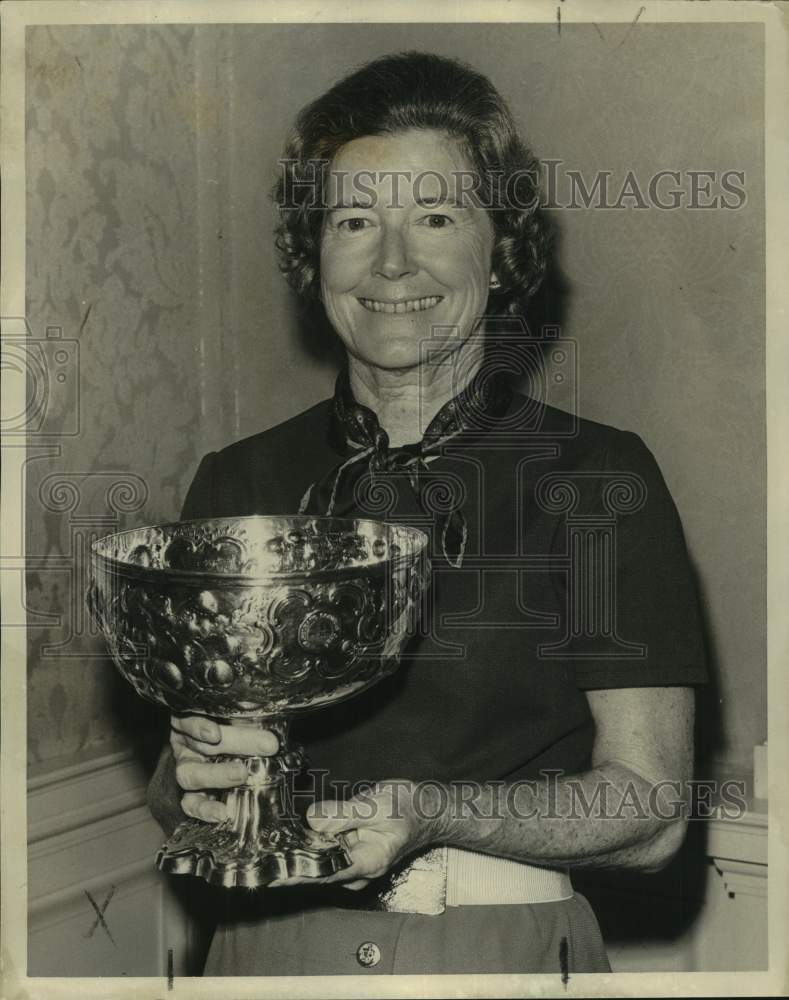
x: 410, y: 305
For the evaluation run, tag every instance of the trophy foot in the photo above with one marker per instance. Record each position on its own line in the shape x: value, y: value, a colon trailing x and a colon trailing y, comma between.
x: 215, y: 854
x: 261, y: 840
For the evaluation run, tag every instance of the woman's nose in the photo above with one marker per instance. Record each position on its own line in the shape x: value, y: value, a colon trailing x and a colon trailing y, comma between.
x: 393, y: 260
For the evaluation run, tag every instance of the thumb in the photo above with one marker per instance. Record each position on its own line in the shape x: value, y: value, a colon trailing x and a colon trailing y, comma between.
x: 333, y: 816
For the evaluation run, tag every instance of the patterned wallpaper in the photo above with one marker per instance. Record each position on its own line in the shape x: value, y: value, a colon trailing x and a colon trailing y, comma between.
x: 112, y: 262
x: 150, y: 153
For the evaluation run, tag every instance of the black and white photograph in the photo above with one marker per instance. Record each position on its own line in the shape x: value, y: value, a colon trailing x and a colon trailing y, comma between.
x: 394, y: 499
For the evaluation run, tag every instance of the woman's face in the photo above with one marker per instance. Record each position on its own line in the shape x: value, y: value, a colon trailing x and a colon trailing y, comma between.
x: 401, y: 257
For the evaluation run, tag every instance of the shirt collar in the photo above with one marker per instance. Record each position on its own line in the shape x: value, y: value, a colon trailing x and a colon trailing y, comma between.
x: 475, y: 409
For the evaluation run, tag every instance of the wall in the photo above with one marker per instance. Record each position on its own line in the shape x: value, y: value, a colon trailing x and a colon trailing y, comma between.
x: 150, y: 154
x: 127, y: 170
x: 97, y: 906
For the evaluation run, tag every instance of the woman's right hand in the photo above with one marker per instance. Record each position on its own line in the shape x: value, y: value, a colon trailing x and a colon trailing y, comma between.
x: 196, y: 741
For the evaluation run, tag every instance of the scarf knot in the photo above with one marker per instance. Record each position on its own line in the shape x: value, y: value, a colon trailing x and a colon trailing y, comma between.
x: 366, y: 445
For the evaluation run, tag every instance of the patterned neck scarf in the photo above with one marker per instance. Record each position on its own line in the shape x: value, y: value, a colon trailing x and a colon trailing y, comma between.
x: 485, y: 399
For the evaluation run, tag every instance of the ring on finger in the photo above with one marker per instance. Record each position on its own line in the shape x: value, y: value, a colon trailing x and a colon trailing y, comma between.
x: 348, y: 838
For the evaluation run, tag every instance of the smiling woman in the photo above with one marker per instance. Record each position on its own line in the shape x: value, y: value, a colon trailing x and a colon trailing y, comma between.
x: 413, y: 267
x: 482, y: 162
x: 409, y: 213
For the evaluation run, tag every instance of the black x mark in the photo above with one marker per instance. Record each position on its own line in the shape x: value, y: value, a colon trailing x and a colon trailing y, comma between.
x: 100, y: 913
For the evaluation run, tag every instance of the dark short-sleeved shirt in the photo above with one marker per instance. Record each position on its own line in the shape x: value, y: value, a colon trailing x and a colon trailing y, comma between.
x: 575, y: 575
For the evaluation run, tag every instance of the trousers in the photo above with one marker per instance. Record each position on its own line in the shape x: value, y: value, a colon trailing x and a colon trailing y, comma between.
x: 292, y: 939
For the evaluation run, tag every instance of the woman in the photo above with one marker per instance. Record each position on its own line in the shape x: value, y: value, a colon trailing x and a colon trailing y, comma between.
x: 408, y: 214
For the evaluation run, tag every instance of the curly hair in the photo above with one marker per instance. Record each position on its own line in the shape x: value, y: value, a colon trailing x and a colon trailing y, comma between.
x: 415, y: 90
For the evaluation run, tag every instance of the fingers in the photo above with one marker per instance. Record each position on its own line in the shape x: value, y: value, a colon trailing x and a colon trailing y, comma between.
x: 367, y: 862
x: 198, y: 805
x: 206, y: 737
x: 196, y: 728
x: 356, y: 885
x: 280, y: 883
x: 354, y: 874
x: 360, y: 883
x: 197, y: 741
x: 194, y: 773
x: 349, y: 838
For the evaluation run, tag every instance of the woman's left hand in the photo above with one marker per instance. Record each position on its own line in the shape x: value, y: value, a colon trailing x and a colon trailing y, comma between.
x: 377, y: 829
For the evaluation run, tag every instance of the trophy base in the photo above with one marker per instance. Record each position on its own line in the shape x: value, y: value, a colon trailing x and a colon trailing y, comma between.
x: 215, y: 854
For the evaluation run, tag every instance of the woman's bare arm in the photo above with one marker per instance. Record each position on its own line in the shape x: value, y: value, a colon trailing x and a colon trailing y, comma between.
x: 627, y: 811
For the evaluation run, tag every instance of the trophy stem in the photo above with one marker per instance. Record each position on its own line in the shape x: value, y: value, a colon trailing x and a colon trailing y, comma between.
x: 263, y: 806
x: 263, y: 839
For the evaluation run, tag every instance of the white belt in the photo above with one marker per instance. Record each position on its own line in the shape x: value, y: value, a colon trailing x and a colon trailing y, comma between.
x: 449, y: 876
x: 475, y: 879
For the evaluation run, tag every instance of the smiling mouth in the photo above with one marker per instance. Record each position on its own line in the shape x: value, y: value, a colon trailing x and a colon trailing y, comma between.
x: 405, y: 306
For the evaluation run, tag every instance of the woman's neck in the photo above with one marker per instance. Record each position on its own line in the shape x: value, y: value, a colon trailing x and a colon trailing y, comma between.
x: 406, y: 400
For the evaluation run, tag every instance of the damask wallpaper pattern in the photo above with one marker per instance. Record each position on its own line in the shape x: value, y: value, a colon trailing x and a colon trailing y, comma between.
x: 150, y: 154
x: 113, y: 263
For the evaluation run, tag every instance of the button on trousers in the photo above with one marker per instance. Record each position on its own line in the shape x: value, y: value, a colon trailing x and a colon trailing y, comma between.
x: 559, y: 937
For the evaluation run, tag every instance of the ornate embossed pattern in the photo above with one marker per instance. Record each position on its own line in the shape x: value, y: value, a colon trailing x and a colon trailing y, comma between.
x: 257, y: 616
x: 281, y: 851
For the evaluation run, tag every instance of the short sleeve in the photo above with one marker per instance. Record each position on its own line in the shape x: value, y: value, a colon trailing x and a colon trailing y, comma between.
x: 201, y: 496
x: 656, y: 614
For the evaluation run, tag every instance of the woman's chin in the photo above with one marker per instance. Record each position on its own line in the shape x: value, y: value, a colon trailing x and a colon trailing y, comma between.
x: 392, y: 358
x: 395, y: 353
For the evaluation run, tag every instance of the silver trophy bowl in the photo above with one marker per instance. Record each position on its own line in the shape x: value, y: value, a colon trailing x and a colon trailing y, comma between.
x: 250, y: 621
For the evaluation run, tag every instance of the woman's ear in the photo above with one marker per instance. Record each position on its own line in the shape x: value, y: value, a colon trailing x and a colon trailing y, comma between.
x: 494, y: 282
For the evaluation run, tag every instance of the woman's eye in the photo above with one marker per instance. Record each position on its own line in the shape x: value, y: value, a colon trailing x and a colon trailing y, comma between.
x: 436, y: 221
x: 355, y: 225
